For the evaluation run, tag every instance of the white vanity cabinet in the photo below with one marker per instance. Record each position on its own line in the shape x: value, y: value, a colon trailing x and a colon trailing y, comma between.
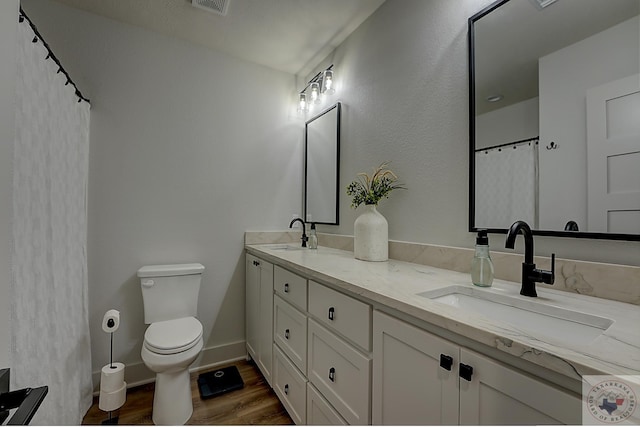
x: 321, y: 347
x: 259, y: 313
x: 418, y: 379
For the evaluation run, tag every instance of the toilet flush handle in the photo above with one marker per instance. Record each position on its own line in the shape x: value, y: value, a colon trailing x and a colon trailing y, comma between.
x: 148, y: 283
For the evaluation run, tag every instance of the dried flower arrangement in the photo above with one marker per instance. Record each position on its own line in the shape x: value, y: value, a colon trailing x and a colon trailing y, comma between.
x: 371, y: 189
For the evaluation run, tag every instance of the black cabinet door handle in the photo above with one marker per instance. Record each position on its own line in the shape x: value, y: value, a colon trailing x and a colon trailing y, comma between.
x: 286, y: 334
x: 332, y: 374
x: 466, y: 371
x: 446, y: 362
x: 332, y: 312
x: 286, y: 389
x: 286, y: 288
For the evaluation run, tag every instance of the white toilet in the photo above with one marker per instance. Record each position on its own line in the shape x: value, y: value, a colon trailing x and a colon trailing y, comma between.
x: 173, y: 339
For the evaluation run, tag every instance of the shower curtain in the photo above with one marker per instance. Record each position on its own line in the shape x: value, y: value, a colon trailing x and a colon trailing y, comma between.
x: 507, y: 186
x: 50, y: 328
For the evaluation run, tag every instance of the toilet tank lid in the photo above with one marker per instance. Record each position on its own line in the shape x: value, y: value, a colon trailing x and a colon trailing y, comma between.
x: 170, y: 270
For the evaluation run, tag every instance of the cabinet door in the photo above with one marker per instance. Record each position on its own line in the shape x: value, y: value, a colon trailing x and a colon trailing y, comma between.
x: 348, y: 316
x: 265, y: 327
x: 410, y: 387
x: 498, y: 395
x: 290, y: 386
x: 291, y: 287
x: 341, y: 373
x: 252, y: 298
x: 259, y: 313
x: 319, y: 410
x: 290, y: 332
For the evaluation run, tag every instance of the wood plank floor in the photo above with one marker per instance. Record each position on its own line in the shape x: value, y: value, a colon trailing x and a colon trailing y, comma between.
x: 256, y: 403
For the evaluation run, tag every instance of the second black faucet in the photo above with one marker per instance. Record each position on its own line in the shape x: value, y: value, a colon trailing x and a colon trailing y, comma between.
x: 304, y: 237
x: 530, y: 274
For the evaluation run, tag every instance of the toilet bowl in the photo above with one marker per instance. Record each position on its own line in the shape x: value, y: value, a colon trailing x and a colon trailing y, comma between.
x: 169, y: 348
x: 173, y: 339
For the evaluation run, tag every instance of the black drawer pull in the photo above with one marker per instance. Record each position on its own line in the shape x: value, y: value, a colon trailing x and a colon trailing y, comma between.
x: 446, y: 362
x: 332, y: 374
x: 286, y: 288
x: 332, y: 312
x: 466, y: 371
x: 286, y: 389
x: 286, y: 334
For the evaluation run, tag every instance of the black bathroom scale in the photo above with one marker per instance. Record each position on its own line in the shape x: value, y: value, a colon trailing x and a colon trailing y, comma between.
x: 215, y: 383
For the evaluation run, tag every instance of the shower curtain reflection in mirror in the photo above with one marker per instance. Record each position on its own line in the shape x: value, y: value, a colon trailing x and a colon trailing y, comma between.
x: 506, y: 186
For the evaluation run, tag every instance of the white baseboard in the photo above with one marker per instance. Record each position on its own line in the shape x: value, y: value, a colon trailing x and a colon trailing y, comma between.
x: 137, y: 373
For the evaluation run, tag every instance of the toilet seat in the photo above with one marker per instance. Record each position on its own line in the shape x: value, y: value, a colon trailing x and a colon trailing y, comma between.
x: 173, y: 336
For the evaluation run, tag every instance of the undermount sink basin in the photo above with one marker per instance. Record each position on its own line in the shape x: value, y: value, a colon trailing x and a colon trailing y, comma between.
x: 538, y: 318
x: 286, y: 247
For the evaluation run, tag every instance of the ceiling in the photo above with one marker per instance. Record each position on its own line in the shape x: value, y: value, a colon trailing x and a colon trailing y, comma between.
x: 287, y: 35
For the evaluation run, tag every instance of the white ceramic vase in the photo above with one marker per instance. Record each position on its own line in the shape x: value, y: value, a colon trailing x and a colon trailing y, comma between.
x: 371, y: 235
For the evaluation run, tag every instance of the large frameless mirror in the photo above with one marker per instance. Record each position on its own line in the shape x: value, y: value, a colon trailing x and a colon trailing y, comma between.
x: 322, y: 166
x: 554, y: 108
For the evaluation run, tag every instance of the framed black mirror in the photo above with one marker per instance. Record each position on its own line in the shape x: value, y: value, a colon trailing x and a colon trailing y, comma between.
x: 553, y: 116
x: 322, y: 167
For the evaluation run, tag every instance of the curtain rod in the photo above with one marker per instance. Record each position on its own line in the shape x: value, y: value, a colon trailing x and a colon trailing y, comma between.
x: 535, y: 138
x: 51, y: 55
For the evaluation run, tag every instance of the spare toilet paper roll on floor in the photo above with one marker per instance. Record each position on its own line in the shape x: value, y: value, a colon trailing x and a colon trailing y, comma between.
x: 111, y: 321
x: 113, y: 388
x: 114, y: 400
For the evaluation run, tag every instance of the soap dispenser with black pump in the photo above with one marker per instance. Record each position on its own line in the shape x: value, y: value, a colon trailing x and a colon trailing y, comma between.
x: 313, y: 237
x: 481, y: 265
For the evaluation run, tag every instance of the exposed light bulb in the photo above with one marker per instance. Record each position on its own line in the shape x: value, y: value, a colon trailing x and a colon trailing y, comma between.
x: 328, y: 82
x: 302, y: 103
x: 315, y: 92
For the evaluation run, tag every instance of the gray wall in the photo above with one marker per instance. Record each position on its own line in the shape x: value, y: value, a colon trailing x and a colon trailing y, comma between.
x: 188, y: 149
x: 8, y: 27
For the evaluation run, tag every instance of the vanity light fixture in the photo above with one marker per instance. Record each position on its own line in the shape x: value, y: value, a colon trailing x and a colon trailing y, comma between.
x: 315, y: 90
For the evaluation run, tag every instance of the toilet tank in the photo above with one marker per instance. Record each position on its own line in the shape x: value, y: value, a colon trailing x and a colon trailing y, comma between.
x: 170, y: 291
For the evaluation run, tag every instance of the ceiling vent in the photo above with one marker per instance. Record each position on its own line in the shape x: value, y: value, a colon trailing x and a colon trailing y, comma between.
x: 216, y: 6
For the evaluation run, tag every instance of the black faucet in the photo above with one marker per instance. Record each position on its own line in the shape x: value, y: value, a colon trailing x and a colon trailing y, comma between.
x: 530, y: 274
x: 571, y: 226
x: 304, y: 237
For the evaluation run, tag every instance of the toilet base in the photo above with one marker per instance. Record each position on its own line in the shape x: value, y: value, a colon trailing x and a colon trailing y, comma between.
x: 172, y: 403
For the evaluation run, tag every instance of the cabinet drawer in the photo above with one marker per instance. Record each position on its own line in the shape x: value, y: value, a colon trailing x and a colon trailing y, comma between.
x: 341, y: 373
x: 291, y: 287
x: 319, y: 411
x: 290, y: 332
x: 290, y: 386
x: 346, y: 315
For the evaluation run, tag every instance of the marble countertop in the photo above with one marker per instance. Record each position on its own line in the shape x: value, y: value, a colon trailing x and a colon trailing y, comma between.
x: 395, y: 284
